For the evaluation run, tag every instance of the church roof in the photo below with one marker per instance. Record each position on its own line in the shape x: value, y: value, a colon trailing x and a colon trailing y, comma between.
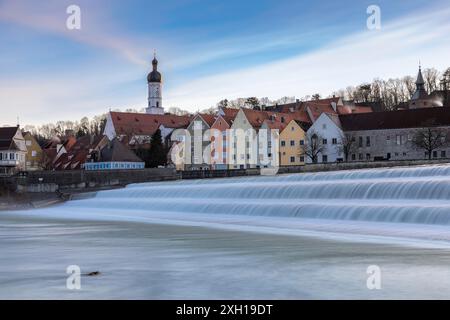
x: 154, y: 76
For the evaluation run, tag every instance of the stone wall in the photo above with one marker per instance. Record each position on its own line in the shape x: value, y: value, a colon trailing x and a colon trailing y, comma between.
x: 52, y: 181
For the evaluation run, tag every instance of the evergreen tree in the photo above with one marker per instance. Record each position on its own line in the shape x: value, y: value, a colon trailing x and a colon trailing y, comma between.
x: 157, y: 152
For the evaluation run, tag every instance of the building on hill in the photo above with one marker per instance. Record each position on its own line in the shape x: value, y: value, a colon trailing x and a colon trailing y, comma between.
x: 389, y: 135
x: 13, y: 150
x: 113, y: 156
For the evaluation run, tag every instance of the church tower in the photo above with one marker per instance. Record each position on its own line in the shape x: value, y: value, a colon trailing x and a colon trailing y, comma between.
x: 420, y: 98
x: 154, y: 90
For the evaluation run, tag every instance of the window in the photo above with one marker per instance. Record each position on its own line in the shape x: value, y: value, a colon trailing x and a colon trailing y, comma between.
x: 443, y: 154
x: 324, y: 141
x: 28, y: 143
x: 324, y: 158
x: 388, y: 156
x: 324, y: 126
x: 360, y: 156
x: 11, y: 156
x: 302, y: 142
x: 367, y: 141
x: 247, y: 144
x: 434, y: 154
x: 353, y: 157
x: 367, y: 156
x: 283, y: 143
x: 292, y: 159
x: 269, y: 155
x: 302, y: 159
x: 360, y: 142
x: 33, y: 153
x: 292, y: 128
x: 269, y: 144
x: 399, y: 140
x: 292, y: 143
x: 248, y: 156
x: 404, y: 154
x: 334, y: 141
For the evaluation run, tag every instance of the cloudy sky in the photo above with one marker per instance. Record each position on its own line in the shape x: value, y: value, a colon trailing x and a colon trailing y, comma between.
x: 208, y: 50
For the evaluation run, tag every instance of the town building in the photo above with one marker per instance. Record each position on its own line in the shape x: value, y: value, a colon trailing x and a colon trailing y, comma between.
x: 198, y: 149
x: 114, y: 156
x: 136, y: 129
x: 35, y: 156
x: 13, y: 150
x: 389, y: 135
x: 219, y: 137
x: 327, y: 135
x: 80, y: 153
x: 292, y: 140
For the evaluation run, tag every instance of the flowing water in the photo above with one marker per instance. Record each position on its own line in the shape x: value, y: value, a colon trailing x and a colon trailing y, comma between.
x: 251, y: 235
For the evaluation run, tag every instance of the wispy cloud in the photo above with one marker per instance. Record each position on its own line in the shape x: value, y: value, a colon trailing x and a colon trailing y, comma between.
x: 96, y: 31
x: 390, y: 52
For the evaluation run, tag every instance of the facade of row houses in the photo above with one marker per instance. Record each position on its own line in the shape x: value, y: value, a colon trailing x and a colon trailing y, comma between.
x: 328, y: 133
x: 198, y: 141
x: 390, y: 135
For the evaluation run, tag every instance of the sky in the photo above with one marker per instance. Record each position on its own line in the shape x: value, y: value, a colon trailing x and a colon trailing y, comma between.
x: 207, y: 50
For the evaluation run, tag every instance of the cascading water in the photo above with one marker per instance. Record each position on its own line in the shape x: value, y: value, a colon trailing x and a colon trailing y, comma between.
x: 413, y: 195
x: 400, y: 202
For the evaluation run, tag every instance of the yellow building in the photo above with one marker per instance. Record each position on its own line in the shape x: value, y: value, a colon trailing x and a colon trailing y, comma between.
x: 292, y: 137
x: 35, y: 156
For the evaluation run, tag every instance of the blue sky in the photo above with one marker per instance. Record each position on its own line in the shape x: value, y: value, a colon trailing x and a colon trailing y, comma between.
x: 208, y: 50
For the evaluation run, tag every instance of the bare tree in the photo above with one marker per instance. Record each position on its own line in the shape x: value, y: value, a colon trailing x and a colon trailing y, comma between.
x: 313, y: 146
x: 347, y: 145
x: 430, y: 139
x: 409, y: 86
x: 431, y: 76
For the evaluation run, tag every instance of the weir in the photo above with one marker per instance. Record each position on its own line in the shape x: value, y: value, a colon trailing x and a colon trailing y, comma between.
x: 418, y: 195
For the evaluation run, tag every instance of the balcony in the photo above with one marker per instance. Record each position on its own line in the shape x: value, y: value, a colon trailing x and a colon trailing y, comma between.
x: 9, y: 163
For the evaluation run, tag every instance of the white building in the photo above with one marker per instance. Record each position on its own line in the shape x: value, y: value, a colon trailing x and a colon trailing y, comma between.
x: 328, y: 130
x: 13, y: 150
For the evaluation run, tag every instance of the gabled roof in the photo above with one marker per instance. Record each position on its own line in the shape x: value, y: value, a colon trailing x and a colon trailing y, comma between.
x: 115, y: 151
x: 78, y: 154
x: 208, y: 118
x: 6, y: 138
x: 413, y: 118
x: 126, y: 123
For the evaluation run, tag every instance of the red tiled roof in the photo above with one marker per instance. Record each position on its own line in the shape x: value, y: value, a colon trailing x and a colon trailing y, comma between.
x: 415, y: 118
x: 208, y: 118
x: 126, y: 123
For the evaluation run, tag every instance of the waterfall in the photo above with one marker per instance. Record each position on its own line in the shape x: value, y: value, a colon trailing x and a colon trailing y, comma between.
x: 418, y: 195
